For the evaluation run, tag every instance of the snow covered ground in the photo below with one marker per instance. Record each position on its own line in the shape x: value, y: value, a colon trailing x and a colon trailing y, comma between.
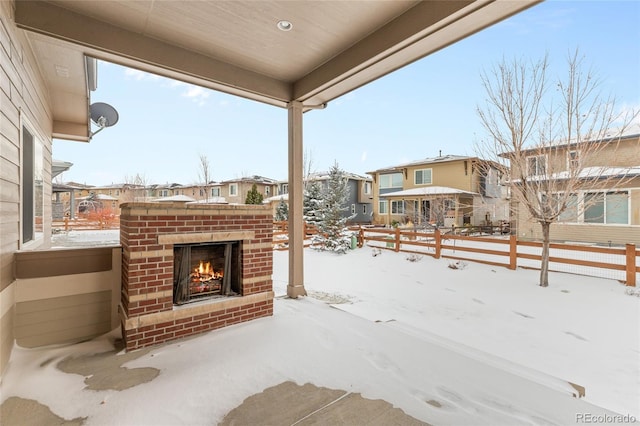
x: 387, y: 325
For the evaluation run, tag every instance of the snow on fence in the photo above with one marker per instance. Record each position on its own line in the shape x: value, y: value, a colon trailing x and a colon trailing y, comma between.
x: 506, y: 251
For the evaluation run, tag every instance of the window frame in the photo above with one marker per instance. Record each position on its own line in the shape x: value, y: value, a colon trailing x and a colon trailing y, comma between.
x: 33, y: 234
x: 399, y: 207
x: 390, y: 177
x: 233, y: 189
x: 571, y: 160
x: 383, y: 210
x: 423, y: 171
x: 536, y: 158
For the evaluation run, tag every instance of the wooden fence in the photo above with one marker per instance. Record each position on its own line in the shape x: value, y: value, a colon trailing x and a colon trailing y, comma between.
x: 509, y: 248
x: 503, y: 252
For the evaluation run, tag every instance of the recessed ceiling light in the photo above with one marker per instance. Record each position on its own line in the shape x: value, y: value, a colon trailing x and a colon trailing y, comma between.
x: 285, y: 25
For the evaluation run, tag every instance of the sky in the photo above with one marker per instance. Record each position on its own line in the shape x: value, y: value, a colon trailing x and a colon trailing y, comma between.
x: 485, y: 343
x: 420, y: 111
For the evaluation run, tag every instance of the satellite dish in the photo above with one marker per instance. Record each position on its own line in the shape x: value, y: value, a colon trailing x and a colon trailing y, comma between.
x: 104, y: 115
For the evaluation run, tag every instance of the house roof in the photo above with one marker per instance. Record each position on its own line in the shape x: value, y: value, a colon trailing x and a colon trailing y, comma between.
x: 253, y: 179
x: 58, y: 166
x: 325, y: 175
x: 427, y: 191
x: 284, y: 197
x: 332, y: 48
x: 587, y: 173
x: 631, y: 131
x: 425, y: 161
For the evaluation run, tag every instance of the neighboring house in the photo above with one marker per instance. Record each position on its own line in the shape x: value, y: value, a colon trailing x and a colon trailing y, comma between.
x: 446, y: 190
x: 235, y: 190
x: 606, y: 211
x: 358, y: 205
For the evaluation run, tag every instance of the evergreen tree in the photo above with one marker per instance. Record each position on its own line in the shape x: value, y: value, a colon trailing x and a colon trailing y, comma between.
x: 253, y: 196
x: 282, y: 211
x: 312, y: 203
x: 334, y: 235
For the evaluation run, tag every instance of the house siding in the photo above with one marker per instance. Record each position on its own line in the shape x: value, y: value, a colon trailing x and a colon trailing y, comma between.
x: 587, y: 232
x: 461, y: 173
x: 622, y: 154
x: 22, y: 92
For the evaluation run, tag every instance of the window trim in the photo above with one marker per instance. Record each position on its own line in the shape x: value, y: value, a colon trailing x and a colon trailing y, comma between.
x: 415, y: 178
x: 537, y: 156
x: 576, y: 160
x: 385, y: 210
x: 400, y: 207
x: 38, y: 154
x: 233, y: 189
x: 390, y: 183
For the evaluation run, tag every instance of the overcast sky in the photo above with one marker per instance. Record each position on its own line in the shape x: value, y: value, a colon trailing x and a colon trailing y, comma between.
x: 414, y: 113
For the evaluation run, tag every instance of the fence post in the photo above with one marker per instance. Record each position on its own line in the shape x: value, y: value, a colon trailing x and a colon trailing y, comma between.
x: 438, y: 239
x: 513, y: 252
x: 631, y: 265
x: 397, y: 247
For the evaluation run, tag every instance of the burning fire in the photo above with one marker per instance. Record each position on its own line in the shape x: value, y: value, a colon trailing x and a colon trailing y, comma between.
x: 205, y: 272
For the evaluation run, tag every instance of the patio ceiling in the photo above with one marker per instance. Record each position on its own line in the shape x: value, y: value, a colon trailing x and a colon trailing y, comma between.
x: 236, y: 47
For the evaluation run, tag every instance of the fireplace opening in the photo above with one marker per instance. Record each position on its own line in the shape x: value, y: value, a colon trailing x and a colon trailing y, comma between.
x: 205, y: 270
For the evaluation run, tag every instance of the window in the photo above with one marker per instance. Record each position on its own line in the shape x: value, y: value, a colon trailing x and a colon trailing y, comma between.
x: 367, y: 187
x: 537, y: 165
x: 285, y: 188
x: 397, y: 207
x: 117, y: 192
x: 573, y: 160
x: 606, y: 207
x: 353, y: 209
x: 164, y: 193
x: 201, y: 192
x: 392, y: 180
x: 233, y: 189
x: 422, y: 177
x: 449, y: 205
x: 267, y: 190
x: 383, y: 207
x: 32, y: 185
x: 570, y: 214
x: 215, y: 192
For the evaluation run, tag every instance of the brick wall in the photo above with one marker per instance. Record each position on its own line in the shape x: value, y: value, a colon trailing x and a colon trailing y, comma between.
x: 148, y: 232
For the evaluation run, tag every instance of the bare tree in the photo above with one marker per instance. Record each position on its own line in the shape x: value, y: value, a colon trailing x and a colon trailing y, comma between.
x: 307, y: 166
x: 204, y: 175
x: 134, y: 188
x: 550, y: 138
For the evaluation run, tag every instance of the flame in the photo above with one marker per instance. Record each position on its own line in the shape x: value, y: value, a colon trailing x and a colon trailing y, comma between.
x: 205, y: 272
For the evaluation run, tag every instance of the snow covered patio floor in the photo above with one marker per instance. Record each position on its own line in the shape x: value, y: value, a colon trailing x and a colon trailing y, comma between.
x: 478, y: 345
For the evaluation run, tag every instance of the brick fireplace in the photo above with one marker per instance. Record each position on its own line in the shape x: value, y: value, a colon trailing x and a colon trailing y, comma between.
x: 236, y: 238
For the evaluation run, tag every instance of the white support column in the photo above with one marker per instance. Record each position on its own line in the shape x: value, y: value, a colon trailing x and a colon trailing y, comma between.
x: 296, y: 191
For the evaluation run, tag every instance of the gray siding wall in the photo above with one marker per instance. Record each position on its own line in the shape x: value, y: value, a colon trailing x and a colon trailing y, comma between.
x: 22, y: 93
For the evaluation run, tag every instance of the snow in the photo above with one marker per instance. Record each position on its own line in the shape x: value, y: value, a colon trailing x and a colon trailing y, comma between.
x: 406, y: 329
